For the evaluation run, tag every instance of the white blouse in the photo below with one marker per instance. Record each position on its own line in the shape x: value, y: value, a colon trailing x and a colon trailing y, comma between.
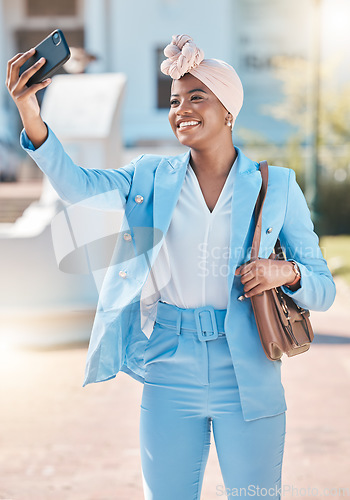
x: 191, y: 267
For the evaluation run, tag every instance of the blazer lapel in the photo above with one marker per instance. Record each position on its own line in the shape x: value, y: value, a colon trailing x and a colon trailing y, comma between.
x: 246, y: 186
x: 169, y: 177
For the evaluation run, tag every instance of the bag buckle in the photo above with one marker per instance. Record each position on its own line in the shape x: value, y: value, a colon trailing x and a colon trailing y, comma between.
x: 206, y: 323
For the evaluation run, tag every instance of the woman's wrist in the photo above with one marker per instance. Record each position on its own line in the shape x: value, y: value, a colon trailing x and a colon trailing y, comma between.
x: 36, y: 129
x: 294, y: 282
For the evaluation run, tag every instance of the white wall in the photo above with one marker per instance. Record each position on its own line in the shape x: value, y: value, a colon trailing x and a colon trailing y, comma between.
x: 269, y: 28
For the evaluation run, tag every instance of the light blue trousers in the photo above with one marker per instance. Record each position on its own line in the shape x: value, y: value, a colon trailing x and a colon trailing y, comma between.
x: 190, y: 387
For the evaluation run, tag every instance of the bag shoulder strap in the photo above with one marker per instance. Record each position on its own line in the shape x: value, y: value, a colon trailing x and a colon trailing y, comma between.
x: 264, y: 170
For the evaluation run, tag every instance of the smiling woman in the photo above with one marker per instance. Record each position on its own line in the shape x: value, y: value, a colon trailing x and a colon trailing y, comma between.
x: 175, y: 320
x: 193, y: 107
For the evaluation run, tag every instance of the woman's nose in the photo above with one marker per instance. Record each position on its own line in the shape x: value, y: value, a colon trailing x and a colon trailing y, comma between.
x: 183, y: 107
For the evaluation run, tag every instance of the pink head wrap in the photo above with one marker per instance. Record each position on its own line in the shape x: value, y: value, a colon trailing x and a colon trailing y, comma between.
x: 185, y: 57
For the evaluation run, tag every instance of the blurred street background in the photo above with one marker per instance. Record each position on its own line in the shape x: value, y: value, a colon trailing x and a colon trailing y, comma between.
x: 107, y: 105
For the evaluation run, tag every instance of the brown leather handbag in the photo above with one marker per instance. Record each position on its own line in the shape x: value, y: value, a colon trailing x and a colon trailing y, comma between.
x: 283, y: 326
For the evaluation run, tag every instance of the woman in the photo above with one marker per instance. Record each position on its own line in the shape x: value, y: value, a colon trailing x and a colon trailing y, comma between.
x: 201, y: 362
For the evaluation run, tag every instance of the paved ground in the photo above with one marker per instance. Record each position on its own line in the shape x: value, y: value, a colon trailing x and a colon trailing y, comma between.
x: 59, y: 441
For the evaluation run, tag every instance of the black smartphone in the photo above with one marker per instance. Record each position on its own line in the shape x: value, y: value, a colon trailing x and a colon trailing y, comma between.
x: 56, y: 52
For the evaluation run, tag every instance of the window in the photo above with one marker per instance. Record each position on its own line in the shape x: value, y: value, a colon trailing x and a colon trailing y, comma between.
x: 163, y: 83
x: 40, y: 8
x: 29, y: 38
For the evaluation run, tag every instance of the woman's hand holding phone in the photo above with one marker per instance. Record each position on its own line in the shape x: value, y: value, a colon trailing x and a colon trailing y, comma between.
x: 25, y: 97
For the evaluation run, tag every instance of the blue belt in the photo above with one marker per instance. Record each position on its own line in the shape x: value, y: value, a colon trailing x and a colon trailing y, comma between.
x: 206, y: 321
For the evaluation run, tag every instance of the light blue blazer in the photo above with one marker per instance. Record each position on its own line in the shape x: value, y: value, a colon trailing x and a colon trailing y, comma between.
x: 117, y: 341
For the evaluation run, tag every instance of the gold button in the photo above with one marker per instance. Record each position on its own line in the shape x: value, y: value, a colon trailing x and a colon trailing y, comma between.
x: 127, y: 236
x: 138, y: 198
x: 122, y: 274
x: 269, y: 230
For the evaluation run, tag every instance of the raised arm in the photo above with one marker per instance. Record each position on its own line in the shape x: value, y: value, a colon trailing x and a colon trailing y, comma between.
x: 72, y: 182
x: 77, y: 184
x: 25, y: 97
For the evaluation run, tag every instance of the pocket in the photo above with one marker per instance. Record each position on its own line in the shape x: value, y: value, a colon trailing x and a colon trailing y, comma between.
x: 153, y: 334
x: 161, y: 345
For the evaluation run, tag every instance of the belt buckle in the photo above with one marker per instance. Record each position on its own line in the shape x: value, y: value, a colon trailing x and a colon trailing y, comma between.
x: 210, y: 330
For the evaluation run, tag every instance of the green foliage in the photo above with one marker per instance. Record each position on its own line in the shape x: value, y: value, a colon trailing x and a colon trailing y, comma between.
x: 333, y: 137
x: 336, y: 250
x: 334, y: 207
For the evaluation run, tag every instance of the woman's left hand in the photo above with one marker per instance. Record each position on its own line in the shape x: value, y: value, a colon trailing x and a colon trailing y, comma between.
x: 264, y: 274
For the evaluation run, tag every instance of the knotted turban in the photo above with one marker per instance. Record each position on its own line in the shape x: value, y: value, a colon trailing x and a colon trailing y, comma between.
x: 183, y: 56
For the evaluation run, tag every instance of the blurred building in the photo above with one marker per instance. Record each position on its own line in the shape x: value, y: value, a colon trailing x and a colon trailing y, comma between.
x: 129, y: 37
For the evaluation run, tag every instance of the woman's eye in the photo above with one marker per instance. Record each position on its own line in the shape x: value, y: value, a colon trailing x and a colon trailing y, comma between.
x: 175, y: 102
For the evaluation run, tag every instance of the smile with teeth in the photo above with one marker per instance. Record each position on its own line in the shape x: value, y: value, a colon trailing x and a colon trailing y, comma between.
x: 188, y: 124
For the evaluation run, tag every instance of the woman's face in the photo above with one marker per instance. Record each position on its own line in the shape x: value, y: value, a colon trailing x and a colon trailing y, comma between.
x: 196, y: 115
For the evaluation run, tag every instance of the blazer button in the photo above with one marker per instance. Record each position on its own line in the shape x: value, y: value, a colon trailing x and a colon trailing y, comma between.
x: 127, y: 236
x: 122, y: 274
x: 269, y: 230
x: 138, y: 198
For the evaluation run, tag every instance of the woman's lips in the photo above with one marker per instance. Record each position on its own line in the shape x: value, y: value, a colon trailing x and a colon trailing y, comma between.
x: 188, y: 125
